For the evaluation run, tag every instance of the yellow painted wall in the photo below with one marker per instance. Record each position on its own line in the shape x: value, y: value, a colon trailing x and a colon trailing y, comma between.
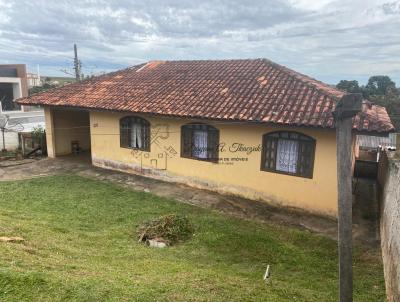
x: 318, y: 194
x: 50, y: 137
x: 67, y: 126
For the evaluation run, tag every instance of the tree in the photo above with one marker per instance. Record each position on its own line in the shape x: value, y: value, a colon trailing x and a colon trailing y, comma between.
x: 349, y: 86
x: 381, y: 85
x: 392, y: 104
x: 380, y: 90
x: 44, y: 87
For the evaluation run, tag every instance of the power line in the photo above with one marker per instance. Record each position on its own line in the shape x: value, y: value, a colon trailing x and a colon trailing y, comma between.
x: 66, y: 72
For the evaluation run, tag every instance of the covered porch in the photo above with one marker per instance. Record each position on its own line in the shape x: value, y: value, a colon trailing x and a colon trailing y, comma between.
x: 67, y: 131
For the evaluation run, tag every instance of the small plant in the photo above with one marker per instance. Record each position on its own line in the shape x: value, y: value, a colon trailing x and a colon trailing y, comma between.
x: 7, y: 153
x: 170, y: 229
x: 38, y: 132
x: 38, y: 137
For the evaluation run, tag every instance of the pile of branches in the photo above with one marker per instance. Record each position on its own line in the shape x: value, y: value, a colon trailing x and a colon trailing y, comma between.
x: 169, y: 229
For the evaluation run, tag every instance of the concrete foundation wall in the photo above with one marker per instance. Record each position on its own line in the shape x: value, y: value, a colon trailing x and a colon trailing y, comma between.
x: 390, y: 225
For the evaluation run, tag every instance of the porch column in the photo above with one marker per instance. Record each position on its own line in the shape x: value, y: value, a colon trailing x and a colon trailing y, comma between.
x: 50, y: 133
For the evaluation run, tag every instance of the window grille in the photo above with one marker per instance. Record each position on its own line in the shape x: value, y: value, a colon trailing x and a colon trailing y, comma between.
x: 135, y: 133
x: 200, y: 141
x: 288, y: 153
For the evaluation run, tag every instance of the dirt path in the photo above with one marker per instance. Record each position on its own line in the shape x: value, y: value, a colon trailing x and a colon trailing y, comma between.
x: 232, y: 205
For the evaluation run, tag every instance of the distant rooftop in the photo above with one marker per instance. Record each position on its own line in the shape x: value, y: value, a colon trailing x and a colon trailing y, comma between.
x: 372, y: 142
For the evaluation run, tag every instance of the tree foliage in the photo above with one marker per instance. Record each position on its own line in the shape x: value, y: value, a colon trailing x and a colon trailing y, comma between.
x: 380, y: 85
x: 349, y: 86
x: 380, y: 90
x: 44, y: 87
x: 38, y: 132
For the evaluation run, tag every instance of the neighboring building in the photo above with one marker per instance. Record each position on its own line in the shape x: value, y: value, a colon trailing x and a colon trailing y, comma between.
x: 369, y: 142
x: 369, y: 147
x: 14, y: 85
x: 33, y: 80
x: 247, y: 127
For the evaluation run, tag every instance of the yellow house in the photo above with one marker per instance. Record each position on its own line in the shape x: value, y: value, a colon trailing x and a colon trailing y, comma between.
x: 247, y: 127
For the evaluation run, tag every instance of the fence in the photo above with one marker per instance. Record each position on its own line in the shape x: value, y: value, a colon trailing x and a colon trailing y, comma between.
x: 389, y: 182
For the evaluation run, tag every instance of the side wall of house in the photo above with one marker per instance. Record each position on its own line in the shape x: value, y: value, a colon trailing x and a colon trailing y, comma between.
x: 239, y: 174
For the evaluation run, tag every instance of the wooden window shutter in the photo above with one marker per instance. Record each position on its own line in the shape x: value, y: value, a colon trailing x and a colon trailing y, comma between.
x: 306, y: 158
x: 213, y: 144
x: 269, y: 155
x: 145, y: 134
x: 186, y: 141
x: 305, y: 152
x: 124, y: 133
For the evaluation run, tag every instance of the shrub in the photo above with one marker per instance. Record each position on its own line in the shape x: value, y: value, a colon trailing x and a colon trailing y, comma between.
x: 170, y: 229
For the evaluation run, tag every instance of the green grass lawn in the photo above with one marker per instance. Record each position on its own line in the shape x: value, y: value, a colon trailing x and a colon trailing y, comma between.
x: 81, y: 245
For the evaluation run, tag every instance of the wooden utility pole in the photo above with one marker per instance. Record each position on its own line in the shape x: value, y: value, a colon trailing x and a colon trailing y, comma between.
x: 346, y: 109
x: 77, y: 64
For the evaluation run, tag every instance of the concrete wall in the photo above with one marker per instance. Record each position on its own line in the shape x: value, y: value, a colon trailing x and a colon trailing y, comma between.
x: 389, y: 179
x: 65, y: 126
x: 21, y: 122
x: 11, y: 140
x: 236, y: 176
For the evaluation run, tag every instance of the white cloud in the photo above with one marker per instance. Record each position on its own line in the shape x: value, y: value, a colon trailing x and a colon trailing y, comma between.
x: 310, y: 4
x: 327, y: 39
x: 4, y: 7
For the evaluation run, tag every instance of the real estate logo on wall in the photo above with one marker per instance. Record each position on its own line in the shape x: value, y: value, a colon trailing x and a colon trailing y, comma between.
x: 200, y: 147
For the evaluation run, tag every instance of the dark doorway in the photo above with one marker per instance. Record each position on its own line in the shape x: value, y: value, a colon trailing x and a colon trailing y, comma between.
x: 7, y: 97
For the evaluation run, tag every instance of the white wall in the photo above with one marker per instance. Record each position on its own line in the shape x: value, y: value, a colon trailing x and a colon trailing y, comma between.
x: 22, y: 121
x: 11, y: 139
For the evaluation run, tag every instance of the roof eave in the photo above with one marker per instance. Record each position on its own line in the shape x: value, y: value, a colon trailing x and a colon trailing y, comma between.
x: 374, y: 132
x: 273, y: 124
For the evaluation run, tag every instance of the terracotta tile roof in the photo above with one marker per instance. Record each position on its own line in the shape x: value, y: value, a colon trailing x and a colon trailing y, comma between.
x: 239, y: 90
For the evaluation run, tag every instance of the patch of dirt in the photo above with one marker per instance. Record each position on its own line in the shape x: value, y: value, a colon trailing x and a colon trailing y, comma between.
x: 231, y: 205
x: 15, y: 162
x: 366, y: 211
x: 11, y: 239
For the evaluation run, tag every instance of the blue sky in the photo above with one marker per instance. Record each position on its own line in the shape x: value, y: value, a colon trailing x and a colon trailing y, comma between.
x: 326, y: 39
